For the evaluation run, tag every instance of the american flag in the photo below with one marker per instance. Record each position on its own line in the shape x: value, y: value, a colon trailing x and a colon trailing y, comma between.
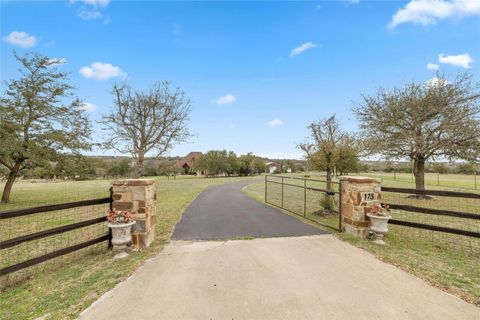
x: 331, y: 119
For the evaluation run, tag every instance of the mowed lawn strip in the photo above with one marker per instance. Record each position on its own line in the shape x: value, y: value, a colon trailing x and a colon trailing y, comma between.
x: 441, y: 263
x: 64, y: 289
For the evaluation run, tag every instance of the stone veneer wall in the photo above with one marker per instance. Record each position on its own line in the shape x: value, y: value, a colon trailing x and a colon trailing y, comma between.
x: 139, y: 196
x: 358, y: 195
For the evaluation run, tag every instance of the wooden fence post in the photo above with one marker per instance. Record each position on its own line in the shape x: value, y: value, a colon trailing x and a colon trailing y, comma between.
x: 110, y: 246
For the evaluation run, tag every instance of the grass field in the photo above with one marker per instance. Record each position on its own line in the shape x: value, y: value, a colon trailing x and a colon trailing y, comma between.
x: 432, y: 180
x: 447, y: 261
x: 63, y: 288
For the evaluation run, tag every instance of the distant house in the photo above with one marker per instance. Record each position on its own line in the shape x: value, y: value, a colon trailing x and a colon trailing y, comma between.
x: 272, y: 167
x: 186, y: 163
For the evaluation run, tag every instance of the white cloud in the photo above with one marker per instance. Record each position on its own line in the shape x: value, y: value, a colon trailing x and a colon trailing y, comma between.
x: 459, y: 60
x: 95, y: 3
x: 436, y: 82
x: 101, y: 71
x: 432, y: 66
x: 90, y: 14
x: 275, y: 122
x: 20, y: 38
x: 87, y: 106
x: 226, y: 99
x: 427, y: 12
x: 302, y: 48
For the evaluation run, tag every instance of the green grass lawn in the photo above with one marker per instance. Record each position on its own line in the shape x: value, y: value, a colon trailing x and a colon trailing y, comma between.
x: 448, y: 261
x: 63, y: 288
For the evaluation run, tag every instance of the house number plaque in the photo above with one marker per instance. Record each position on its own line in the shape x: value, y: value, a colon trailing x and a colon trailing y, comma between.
x: 369, y: 196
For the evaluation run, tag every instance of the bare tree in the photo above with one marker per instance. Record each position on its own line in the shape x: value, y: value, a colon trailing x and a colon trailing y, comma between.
x: 147, y: 122
x: 307, y: 148
x: 423, y: 121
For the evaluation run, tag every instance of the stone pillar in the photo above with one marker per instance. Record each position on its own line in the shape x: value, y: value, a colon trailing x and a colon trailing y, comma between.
x: 358, y: 195
x: 139, y: 196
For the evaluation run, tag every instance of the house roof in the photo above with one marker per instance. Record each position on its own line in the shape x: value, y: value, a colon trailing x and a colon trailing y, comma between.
x: 188, y: 159
x: 272, y: 164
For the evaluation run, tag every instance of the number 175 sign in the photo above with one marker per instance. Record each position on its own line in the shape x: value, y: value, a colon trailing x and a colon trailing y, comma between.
x: 369, y: 196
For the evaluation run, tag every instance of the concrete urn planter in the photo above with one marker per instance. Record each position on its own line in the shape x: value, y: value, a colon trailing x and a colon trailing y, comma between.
x: 379, y: 226
x: 121, y: 234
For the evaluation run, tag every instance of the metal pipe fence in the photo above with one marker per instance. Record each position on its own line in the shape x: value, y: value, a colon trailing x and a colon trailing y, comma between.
x: 313, y: 199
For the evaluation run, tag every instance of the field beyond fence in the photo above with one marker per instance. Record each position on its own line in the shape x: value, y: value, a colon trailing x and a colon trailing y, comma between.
x: 308, y: 198
x: 432, y: 180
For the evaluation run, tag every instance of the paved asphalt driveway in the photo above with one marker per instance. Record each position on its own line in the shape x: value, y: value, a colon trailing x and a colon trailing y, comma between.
x: 225, y: 212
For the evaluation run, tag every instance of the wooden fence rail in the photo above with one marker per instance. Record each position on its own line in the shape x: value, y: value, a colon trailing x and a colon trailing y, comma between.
x: 9, y: 243
x: 435, y: 212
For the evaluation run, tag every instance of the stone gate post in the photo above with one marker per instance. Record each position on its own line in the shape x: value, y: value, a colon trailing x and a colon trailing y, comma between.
x: 139, y: 196
x: 358, y: 195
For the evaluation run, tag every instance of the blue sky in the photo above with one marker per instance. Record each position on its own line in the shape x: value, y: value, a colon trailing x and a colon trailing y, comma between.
x: 257, y: 72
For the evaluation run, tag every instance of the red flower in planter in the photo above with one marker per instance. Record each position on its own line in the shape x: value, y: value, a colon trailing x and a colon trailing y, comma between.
x: 119, y: 216
x: 380, y: 211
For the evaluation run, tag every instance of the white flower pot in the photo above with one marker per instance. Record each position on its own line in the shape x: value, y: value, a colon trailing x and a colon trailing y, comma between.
x: 379, y: 226
x: 121, y: 234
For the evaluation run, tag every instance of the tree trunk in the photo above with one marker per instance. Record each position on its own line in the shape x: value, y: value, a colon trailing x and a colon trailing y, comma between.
x: 139, y: 166
x: 329, y: 179
x: 419, y: 173
x: 12, y: 175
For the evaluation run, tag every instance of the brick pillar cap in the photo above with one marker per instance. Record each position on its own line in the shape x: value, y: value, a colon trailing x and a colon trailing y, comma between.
x: 359, y: 179
x: 133, y: 182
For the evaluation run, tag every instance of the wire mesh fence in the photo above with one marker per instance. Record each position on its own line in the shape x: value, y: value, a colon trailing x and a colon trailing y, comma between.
x: 313, y: 199
x: 31, y: 237
x: 444, y: 219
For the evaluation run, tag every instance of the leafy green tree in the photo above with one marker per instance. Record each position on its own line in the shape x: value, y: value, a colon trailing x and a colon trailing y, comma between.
x: 289, y: 165
x: 438, y: 167
x: 46, y: 171
x: 247, y: 164
x: 3, y: 170
x: 120, y: 169
x: 466, y: 168
x: 348, y: 156
x: 75, y: 167
x: 233, y: 165
x: 330, y: 146
x: 216, y: 162
x: 167, y: 167
x: 258, y: 165
x: 40, y: 118
x: 150, y: 171
x: 423, y: 121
